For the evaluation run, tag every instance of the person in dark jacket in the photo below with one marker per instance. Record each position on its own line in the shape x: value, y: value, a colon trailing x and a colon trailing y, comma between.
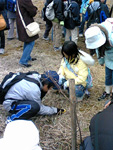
x: 48, y: 22
x: 57, y: 23
x: 101, y: 130
x: 72, y: 21
x: 28, y: 11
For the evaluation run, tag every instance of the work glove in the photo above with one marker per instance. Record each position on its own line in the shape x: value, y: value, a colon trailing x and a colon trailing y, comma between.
x: 62, y: 23
x: 61, y: 78
x: 60, y: 111
x: 55, y: 20
x: 65, y: 85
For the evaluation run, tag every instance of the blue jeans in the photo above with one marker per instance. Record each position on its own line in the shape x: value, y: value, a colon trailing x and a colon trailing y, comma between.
x: 27, y: 49
x: 108, y: 76
x: 87, y: 144
x: 81, y: 28
x: 79, y: 90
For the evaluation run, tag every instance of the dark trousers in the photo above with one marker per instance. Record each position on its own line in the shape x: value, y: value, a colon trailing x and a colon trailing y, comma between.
x: 87, y: 144
x: 24, y: 109
x: 2, y: 39
x: 48, y: 28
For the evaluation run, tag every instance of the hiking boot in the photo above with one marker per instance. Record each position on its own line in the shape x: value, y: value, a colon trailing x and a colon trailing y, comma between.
x: 1, y: 50
x: 25, y: 65
x: 57, y: 48
x: 103, y: 96
x: 45, y: 38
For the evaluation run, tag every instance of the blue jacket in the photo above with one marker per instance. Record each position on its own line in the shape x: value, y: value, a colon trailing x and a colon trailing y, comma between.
x: 104, y: 12
x: 84, y: 4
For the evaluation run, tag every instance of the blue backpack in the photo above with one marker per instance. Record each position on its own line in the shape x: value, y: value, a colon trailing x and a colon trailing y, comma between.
x: 11, y: 5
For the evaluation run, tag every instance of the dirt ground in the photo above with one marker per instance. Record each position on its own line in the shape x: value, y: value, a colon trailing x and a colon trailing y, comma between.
x: 55, y: 131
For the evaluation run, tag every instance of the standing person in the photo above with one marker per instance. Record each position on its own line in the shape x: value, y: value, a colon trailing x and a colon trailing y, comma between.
x: 73, y: 67
x: 48, y: 22
x: 28, y: 11
x: 24, y: 99
x: 103, y: 43
x: 2, y: 35
x: 101, y: 131
x: 97, y: 12
x: 57, y: 23
x: 72, y: 21
x: 83, y: 10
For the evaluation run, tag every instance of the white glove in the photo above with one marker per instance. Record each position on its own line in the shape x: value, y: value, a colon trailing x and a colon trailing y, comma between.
x: 61, y: 77
x: 65, y: 85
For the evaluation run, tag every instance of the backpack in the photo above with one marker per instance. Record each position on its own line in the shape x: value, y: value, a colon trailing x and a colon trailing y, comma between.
x: 11, y: 5
x: 49, y: 12
x: 68, y: 5
x: 94, y: 16
x: 71, y: 14
x: 11, y: 79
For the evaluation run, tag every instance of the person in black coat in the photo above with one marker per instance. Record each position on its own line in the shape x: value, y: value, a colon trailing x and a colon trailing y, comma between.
x: 101, y: 130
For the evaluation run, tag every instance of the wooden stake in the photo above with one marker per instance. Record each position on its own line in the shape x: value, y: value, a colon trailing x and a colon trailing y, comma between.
x: 73, y: 113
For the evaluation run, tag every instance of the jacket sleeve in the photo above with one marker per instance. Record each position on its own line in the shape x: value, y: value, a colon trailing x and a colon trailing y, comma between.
x: 30, y: 8
x: 81, y: 74
x: 75, y: 12
x: 58, y: 7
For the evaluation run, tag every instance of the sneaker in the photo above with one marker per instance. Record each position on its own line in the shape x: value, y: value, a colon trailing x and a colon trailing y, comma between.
x: 80, y: 35
x: 9, y: 39
x: 1, y: 51
x: 25, y: 65
x: 33, y: 59
x: 57, y: 48
x: 103, y: 96
x: 45, y: 38
x: 60, y: 111
x: 8, y: 120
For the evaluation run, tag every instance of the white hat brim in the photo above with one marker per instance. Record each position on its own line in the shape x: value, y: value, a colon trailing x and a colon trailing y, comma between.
x: 96, y: 44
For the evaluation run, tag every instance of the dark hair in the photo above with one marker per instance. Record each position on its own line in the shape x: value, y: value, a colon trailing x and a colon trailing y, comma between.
x: 48, y: 83
x: 70, y: 49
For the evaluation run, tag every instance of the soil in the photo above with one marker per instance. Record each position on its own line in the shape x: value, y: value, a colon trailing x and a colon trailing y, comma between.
x: 55, y: 131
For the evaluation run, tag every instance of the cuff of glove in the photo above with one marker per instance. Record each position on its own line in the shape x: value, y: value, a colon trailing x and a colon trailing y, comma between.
x: 55, y: 20
x: 62, y: 23
x: 60, y: 111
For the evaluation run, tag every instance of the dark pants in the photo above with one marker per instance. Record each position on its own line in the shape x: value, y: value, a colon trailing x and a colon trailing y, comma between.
x: 48, y: 28
x: 81, y: 28
x: 2, y: 39
x: 24, y: 109
x: 87, y: 144
x: 108, y: 76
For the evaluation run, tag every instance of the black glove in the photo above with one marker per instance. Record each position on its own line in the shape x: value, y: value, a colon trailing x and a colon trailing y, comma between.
x: 60, y: 111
